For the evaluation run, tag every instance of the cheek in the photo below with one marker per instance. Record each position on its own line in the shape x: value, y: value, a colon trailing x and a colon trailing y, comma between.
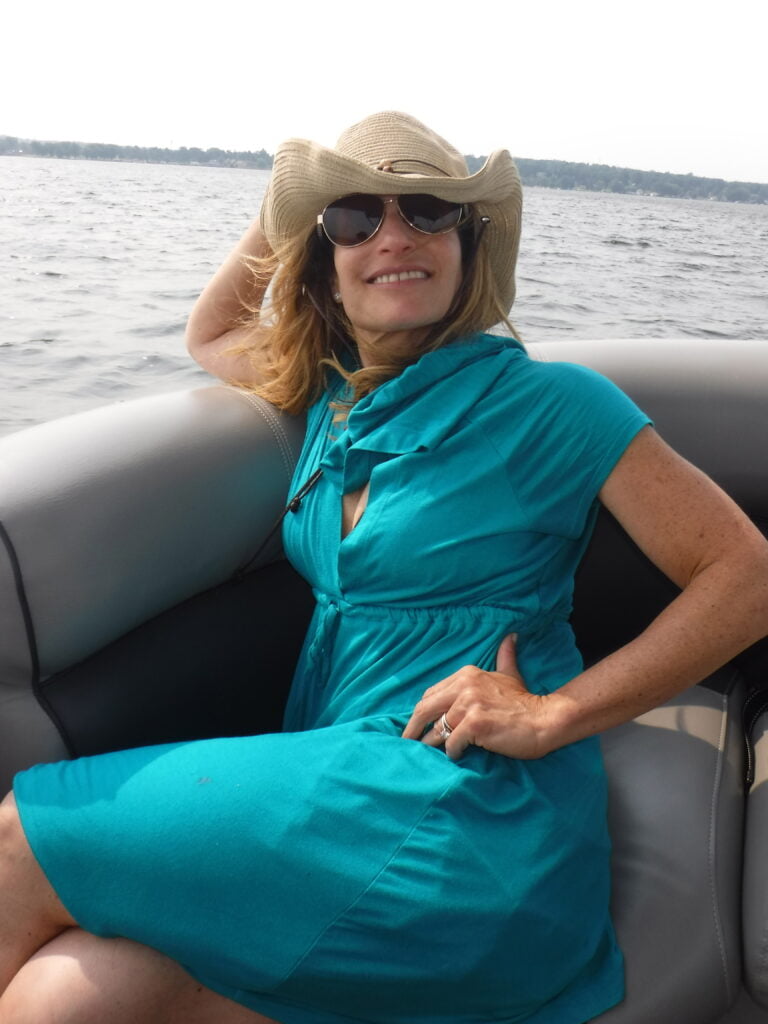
x: 341, y: 266
x: 455, y: 257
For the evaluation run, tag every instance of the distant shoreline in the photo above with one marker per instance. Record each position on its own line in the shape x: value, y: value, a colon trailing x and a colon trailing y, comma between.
x: 560, y: 174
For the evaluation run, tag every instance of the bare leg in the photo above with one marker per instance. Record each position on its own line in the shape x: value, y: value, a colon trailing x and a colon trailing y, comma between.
x: 30, y: 912
x: 78, y: 978
x: 52, y: 972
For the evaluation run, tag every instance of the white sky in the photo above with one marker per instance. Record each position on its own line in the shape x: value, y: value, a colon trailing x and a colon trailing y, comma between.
x: 666, y: 85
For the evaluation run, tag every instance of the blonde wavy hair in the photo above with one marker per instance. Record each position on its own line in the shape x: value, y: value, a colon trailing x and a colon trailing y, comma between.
x: 303, y: 332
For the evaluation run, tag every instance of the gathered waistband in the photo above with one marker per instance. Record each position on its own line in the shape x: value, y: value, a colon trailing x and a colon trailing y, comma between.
x: 511, y: 618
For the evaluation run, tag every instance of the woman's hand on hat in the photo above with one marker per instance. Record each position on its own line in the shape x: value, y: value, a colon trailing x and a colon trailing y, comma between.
x: 493, y: 710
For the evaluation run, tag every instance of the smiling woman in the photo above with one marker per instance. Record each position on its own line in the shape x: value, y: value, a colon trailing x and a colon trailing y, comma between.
x: 319, y: 246
x: 426, y: 839
x: 397, y: 286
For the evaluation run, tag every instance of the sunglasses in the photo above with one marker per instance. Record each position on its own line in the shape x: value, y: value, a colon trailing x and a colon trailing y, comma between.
x: 355, y: 219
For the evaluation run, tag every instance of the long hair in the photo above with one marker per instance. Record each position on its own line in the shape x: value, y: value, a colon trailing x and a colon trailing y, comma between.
x: 303, y: 331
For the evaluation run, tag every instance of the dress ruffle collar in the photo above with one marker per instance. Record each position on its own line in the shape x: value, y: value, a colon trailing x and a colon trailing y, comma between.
x: 417, y: 409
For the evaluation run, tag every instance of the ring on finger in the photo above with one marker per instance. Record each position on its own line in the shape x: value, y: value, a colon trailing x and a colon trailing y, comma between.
x: 445, y: 729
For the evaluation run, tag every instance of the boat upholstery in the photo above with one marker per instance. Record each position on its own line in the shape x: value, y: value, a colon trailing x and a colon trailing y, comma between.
x: 137, y: 605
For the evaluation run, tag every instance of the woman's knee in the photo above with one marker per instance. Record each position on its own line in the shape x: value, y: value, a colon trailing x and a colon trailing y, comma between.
x: 8, y: 809
x: 79, y: 978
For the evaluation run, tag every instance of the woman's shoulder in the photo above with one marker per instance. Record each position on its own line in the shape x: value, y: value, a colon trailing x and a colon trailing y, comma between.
x: 521, y: 379
x: 548, y: 401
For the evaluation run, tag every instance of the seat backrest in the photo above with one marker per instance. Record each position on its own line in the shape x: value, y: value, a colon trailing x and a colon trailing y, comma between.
x: 119, y: 526
x: 114, y: 526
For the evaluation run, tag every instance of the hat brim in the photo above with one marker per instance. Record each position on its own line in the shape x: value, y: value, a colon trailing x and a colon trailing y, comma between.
x: 307, y: 176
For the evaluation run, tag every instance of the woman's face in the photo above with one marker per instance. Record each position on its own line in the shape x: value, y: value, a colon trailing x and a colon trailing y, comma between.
x: 398, y: 283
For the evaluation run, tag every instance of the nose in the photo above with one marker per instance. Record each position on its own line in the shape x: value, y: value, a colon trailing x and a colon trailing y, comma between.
x: 394, y: 232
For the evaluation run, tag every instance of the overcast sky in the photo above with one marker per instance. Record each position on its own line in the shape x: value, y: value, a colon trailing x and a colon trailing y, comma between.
x: 666, y: 86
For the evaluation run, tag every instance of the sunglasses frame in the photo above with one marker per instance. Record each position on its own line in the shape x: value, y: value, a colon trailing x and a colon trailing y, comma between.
x: 464, y: 215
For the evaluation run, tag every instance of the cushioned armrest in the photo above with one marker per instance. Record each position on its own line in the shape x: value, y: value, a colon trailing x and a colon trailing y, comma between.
x: 113, y: 516
x: 675, y: 815
x: 755, y: 889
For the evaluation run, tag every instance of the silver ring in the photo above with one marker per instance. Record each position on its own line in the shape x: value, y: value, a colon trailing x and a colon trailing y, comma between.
x: 445, y: 729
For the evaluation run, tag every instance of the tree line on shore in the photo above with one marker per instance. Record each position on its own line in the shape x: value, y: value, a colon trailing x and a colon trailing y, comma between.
x: 560, y: 174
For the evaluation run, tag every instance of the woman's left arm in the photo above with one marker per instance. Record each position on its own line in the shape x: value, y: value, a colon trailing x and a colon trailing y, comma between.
x: 706, y: 545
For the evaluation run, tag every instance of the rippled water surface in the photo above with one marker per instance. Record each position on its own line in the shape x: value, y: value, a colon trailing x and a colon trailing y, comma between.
x: 101, y: 262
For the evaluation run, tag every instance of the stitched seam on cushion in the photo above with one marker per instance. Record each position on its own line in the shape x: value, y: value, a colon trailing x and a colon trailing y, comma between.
x: 712, y: 858
x: 535, y: 352
x: 31, y: 635
x: 273, y: 422
x: 762, y: 963
x: 432, y: 804
x: 21, y: 597
x: 270, y: 417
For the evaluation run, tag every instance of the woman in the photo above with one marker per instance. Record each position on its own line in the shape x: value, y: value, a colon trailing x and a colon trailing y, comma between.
x: 426, y: 841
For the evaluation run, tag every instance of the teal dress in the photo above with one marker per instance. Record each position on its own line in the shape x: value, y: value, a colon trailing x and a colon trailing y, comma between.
x: 336, y: 872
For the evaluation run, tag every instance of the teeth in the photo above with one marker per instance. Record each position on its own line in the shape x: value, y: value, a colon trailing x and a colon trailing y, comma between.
x: 405, y: 275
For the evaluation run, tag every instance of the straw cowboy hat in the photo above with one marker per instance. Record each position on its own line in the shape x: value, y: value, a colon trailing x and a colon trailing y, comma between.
x: 394, y: 154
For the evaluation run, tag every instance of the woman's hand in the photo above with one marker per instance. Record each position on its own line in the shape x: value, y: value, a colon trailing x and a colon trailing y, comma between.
x: 492, y: 710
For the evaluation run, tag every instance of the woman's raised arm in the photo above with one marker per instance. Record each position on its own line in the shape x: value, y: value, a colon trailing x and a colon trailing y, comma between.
x: 215, y: 327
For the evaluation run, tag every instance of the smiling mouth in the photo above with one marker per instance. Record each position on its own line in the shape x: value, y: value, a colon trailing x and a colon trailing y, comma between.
x: 405, y: 275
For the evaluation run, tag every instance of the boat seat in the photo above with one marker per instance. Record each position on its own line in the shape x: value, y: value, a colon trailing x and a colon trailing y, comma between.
x: 132, y: 611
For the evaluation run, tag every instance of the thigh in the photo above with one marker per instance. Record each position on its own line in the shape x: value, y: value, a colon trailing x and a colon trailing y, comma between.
x: 78, y: 978
x: 30, y: 912
x: 21, y: 879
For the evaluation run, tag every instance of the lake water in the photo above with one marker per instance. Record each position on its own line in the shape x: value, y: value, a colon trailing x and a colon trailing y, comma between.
x: 101, y: 262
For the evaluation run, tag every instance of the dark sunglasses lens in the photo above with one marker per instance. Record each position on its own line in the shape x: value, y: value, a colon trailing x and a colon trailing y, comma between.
x: 353, y: 219
x: 430, y: 214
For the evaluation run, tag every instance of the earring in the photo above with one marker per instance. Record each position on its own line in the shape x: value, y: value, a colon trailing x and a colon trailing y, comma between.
x: 337, y: 296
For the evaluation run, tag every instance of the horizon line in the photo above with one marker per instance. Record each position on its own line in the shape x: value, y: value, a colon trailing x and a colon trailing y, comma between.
x: 251, y: 152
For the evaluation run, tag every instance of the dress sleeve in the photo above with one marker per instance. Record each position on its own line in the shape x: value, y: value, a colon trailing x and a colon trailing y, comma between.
x: 574, y: 426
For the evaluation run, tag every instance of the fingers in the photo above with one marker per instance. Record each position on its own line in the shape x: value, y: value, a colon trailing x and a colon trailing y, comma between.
x: 461, y: 738
x: 506, y: 656
x: 468, y: 699
x: 466, y: 682
x: 456, y: 740
x: 461, y: 735
x: 434, y: 736
x: 453, y: 697
x: 436, y: 700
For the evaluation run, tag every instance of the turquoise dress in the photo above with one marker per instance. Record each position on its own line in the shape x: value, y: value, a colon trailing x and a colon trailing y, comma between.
x: 336, y: 872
